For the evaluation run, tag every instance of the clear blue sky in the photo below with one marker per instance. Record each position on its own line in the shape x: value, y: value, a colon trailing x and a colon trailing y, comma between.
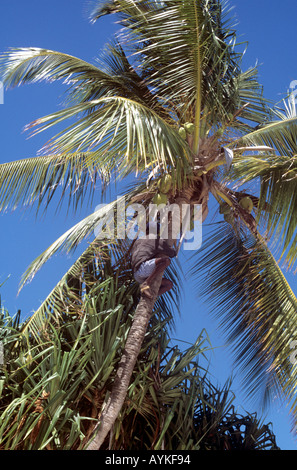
x: 270, y: 29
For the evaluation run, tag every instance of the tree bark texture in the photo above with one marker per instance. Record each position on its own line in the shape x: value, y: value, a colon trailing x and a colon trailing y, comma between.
x: 126, y: 365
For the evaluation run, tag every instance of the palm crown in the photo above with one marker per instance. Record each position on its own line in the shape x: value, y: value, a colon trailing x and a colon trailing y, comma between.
x: 177, y: 62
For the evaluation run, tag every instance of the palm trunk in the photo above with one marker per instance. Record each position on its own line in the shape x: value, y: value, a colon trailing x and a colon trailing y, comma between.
x: 126, y: 365
x: 133, y: 344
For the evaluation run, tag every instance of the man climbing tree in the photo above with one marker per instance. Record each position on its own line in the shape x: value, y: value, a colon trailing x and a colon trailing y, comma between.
x: 151, y: 255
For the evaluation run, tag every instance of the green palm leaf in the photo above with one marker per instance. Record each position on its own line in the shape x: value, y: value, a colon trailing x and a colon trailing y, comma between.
x: 29, y: 65
x: 280, y: 135
x: 121, y: 131
x: 277, y: 197
x: 56, y: 307
x: 256, y: 307
x: 103, y: 270
x: 186, y: 51
x: 122, y: 113
x: 253, y: 107
x: 26, y: 181
x: 114, y: 75
x: 72, y: 237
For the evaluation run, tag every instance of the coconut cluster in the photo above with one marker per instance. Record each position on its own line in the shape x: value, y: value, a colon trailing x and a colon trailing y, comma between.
x: 187, y: 128
x: 245, y: 203
x: 164, y: 186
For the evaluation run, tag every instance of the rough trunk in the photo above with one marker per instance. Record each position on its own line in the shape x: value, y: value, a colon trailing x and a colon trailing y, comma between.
x: 126, y: 365
x: 136, y: 335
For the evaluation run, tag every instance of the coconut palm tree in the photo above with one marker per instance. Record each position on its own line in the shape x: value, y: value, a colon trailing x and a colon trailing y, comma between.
x: 168, y: 97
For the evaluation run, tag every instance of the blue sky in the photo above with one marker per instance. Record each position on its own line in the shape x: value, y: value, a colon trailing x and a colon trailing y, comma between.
x: 270, y: 29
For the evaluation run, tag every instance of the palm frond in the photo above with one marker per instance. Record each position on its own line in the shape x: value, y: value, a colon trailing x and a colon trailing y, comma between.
x: 64, y: 300
x: 26, y: 181
x: 256, y: 307
x: 279, y: 134
x: 115, y: 62
x: 119, y: 133
x: 277, y: 197
x: 69, y: 241
x: 19, y: 66
x: 111, y: 75
x: 185, y: 50
x: 89, y: 274
x: 89, y: 85
x: 252, y: 107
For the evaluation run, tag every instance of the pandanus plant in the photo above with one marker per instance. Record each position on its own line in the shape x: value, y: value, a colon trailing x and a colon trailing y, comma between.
x: 168, y: 97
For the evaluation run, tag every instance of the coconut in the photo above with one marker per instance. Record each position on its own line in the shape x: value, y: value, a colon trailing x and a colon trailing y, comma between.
x: 159, y: 198
x: 247, y: 204
x: 182, y: 132
x: 224, y: 208
x: 189, y: 126
x: 164, y: 184
x: 228, y: 218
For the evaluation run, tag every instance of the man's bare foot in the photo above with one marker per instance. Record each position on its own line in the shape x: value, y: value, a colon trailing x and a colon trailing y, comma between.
x: 145, y: 291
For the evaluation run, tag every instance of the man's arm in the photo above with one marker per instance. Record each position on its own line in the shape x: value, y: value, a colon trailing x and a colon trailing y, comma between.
x: 165, y: 249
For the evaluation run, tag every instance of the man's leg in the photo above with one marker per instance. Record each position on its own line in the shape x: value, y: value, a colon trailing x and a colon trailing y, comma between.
x: 166, y: 285
x: 161, y: 264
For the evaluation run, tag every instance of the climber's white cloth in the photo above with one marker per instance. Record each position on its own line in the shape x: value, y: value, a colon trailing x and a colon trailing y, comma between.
x: 145, y: 270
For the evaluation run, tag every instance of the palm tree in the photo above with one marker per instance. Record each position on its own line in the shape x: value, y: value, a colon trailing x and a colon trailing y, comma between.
x: 169, y: 97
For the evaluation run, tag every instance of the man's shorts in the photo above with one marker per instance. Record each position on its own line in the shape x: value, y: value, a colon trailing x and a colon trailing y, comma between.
x: 145, y: 270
